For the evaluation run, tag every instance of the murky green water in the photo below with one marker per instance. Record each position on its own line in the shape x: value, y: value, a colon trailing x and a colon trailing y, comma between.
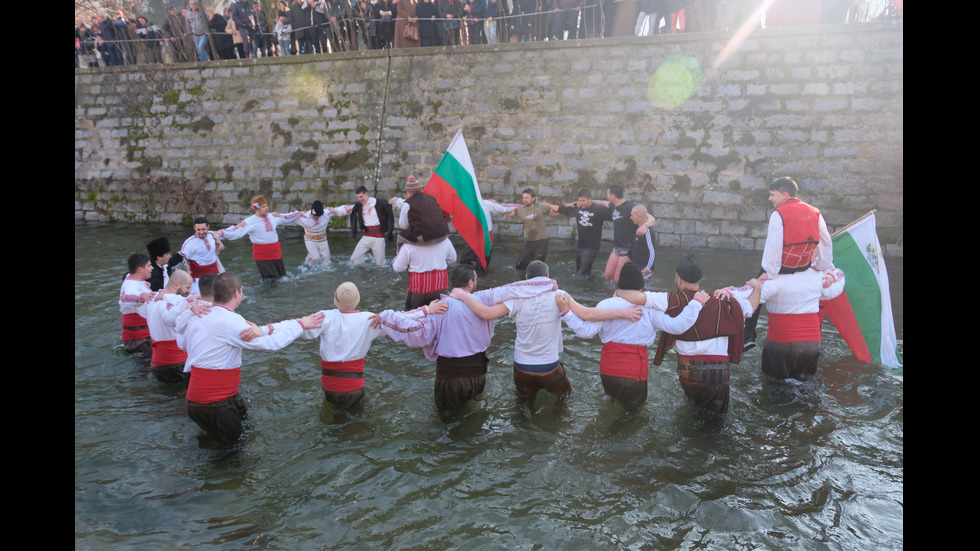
x: 814, y: 466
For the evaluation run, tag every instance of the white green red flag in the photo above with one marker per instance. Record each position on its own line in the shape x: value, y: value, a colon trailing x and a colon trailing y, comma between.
x: 863, y: 312
x: 453, y: 184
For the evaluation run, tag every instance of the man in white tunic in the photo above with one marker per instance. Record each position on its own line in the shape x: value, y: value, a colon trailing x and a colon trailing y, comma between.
x: 261, y: 231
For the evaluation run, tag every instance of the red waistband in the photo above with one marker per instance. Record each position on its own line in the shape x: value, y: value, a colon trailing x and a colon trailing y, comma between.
x: 428, y: 282
x: 373, y: 231
x: 793, y: 327
x: 624, y: 360
x: 135, y: 321
x: 268, y: 251
x: 342, y: 384
x: 167, y: 353
x: 212, y: 385
x: 197, y: 270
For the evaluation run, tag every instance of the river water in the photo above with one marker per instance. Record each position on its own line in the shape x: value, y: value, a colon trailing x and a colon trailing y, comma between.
x: 793, y: 466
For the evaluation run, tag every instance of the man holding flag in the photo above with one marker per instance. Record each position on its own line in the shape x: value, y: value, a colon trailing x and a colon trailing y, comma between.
x: 454, y: 185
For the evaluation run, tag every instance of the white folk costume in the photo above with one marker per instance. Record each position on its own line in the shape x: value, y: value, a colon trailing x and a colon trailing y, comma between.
x: 426, y: 266
x: 623, y: 362
x: 161, y: 315
x: 315, y: 234
x: 135, y: 333
x: 261, y: 231
x: 214, y: 354
x: 201, y: 256
x: 377, y: 220
x: 793, y: 301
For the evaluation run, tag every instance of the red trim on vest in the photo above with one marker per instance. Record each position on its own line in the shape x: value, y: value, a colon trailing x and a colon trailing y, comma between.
x: 268, y: 251
x: 342, y: 384
x: 801, y: 232
x: 794, y: 327
x: 212, y: 385
x: 197, y: 270
x: 167, y: 353
x: 428, y: 282
x: 373, y: 231
x: 629, y: 361
x: 134, y: 320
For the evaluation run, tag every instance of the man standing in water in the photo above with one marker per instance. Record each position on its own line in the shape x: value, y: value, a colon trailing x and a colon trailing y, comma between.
x: 625, y: 230
x: 376, y: 218
x: 261, y: 231
x: 201, y: 252
x: 135, y: 289
x: 214, y: 352
x: 457, y: 340
x: 588, y: 223
x: 533, y: 215
x: 161, y: 314
x: 706, y: 350
x: 623, y: 364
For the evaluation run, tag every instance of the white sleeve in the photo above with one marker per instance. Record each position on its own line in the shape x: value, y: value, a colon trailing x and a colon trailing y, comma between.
x: 657, y: 301
x: 582, y: 328
x: 772, y: 254
x: 681, y: 323
x: 825, y: 250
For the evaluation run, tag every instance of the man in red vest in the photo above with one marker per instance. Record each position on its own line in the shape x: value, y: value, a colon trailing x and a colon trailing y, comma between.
x: 797, y: 241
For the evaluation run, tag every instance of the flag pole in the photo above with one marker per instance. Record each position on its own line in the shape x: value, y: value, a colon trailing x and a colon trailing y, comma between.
x: 867, y: 214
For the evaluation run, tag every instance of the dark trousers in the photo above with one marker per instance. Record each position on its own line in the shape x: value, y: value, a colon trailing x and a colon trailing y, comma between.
x: 221, y: 420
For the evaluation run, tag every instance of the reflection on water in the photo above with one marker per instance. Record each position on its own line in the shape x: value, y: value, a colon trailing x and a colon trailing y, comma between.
x: 809, y: 466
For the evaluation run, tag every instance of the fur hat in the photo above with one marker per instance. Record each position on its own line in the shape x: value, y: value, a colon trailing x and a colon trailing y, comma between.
x: 259, y: 201
x: 317, y: 208
x: 347, y: 296
x: 158, y: 247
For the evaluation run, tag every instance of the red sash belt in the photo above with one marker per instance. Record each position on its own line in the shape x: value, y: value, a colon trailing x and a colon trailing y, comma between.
x: 373, y: 231
x: 624, y: 360
x: 197, y: 270
x: 427, y: 282
x: 793, y: 327
x: 268, y: 251
x: 212, y: 385
x: 134, y: 327
x: 342, y: 384
x: 167, y: 353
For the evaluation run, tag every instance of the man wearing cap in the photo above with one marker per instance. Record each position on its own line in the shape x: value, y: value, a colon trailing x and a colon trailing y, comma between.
x: 706, y: 350
x: 589, y: 217
x: 376, y: 218
x: 214, y: 344
x: 420, y: 217
x: 135, y: 289
x: 623, y: 362
x: 345, y: 337
x: 315, y: 223
x: 162, y: 262
x: 458, y: 339
x: 426, y: 266
x: 797, y: 240
x: 261, y: 231
x: 200, y: 251
x: 167, y: 361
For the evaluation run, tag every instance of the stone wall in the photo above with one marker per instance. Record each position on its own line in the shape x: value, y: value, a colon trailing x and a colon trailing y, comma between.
x: 693, y: 126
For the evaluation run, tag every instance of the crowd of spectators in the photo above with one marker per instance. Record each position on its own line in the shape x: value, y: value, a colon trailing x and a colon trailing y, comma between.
x: 243, y: 29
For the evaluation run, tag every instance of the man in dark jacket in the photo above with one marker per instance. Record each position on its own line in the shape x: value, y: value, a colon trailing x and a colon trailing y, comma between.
x: 375, y: 217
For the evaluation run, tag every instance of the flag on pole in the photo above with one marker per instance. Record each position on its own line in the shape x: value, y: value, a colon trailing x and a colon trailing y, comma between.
x: 453, y: 184
x: 863, y: 312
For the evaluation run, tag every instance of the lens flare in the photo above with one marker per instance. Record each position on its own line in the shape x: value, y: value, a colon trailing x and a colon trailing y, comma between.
x: 675, y: 81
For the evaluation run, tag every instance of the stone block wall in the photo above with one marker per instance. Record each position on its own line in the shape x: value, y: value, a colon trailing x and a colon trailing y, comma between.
x: 693, y: 126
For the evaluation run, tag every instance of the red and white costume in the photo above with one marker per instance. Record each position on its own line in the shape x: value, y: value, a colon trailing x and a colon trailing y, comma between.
x: 345, y: 337
x: 793, y: 223
x: 426, y: 265
x: 261, y: 231
x: 161, y: 317
x: 134, y: 325
x: 214, y: 351
x: 201, y: 256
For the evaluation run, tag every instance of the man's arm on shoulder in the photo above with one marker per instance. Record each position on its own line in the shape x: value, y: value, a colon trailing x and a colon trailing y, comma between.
x: 483, y: 311
x: 587, y: 313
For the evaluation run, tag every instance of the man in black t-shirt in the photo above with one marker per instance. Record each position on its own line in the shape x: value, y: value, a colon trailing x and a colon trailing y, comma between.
x: 588, y: 222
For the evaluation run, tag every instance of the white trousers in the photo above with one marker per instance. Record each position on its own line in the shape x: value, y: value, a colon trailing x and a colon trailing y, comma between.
x: 374, y: 244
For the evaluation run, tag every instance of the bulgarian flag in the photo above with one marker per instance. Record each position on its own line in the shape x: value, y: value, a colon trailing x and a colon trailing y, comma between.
x: 453, y: 184
x: 863, y: 312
